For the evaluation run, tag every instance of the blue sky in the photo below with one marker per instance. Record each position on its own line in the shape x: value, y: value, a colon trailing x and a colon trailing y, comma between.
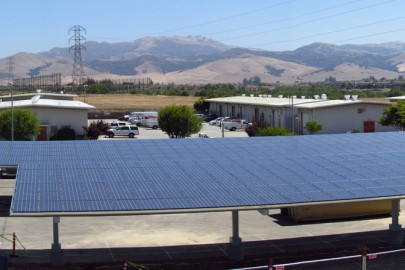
x: 279, y: 25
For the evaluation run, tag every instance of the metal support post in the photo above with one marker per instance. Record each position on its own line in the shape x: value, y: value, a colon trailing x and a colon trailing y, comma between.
x: 57, y: 255
x: 395, y: 234
x: 223, y: 128
x: 235, y: 247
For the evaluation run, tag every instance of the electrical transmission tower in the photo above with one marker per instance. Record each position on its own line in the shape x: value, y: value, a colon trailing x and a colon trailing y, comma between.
x: 77, y: 75
x: 10, y: 67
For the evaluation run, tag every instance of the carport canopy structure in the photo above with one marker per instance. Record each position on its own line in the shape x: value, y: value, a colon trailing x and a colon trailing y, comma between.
x: 128, y: 177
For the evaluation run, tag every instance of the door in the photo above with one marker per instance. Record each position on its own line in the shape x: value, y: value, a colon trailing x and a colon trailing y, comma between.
x: 369, y: 126
x: 42, y: 136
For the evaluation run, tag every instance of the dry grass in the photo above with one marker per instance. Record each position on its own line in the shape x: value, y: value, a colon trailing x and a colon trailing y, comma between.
x: 135, y: 102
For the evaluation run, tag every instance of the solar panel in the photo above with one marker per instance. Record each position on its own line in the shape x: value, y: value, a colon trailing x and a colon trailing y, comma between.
x: 98, y: 176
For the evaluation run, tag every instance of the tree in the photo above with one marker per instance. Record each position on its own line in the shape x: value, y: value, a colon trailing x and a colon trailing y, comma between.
x: 313, y: 127
x: 179, y: 121
x: 26, y: 124
x: 252, y: 129
x: 394, y: 116
x: 98, y: 88
x: 273, y: 131
x: 95, y: 130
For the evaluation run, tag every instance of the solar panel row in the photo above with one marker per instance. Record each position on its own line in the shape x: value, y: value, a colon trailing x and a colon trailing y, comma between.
x: 86, y: 176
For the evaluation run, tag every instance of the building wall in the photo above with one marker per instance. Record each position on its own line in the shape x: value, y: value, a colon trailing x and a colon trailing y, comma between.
x: 342, y: 119
x: 335, y: 119
x: 58, y: 117
x: 270, y: 114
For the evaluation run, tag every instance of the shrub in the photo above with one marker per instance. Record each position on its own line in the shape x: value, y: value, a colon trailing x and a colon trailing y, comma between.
x: 66, y: 134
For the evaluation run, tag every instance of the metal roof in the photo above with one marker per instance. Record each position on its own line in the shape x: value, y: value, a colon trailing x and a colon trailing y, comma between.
x: 192, y: 175
x: 65, y: 104
x: 286, y: 101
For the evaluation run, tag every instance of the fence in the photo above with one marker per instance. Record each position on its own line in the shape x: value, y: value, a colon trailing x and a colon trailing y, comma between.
x: 387, y: 260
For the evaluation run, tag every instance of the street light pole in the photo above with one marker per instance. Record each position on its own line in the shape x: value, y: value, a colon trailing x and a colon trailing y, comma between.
x: 12, y: 110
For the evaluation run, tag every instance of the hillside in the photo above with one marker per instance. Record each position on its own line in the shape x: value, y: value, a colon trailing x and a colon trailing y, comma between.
x: 196, y: 59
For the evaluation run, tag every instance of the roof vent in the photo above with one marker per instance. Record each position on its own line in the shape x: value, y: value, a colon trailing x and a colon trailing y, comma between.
x: 260, y: 95
x: 251, y: 95
x: 316, y: 97
x: 264, y: 96
x: 39, y: 90
x: 243, y: 95
x: 268, y: 95
x: 347, y: 97
x: 302, y: 97
x: 61, y: 92
x: 323, y: 96
x: 354, y: 97
x: 35, y: 98
x: 280, y: 96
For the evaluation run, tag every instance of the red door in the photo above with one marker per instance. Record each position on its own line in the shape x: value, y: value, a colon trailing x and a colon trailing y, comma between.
x: 369, y: 126
x: 42, y: 136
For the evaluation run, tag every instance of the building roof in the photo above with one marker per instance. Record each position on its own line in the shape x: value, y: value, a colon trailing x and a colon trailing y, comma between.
x: 396, y: 98
x: 286, y: 101
x: 44, y: 95
x: 61, y: 104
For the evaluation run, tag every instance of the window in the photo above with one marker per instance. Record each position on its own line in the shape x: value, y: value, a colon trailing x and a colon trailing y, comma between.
x: 360, y: 110
x: 124, y: 128
x: 54, y: 129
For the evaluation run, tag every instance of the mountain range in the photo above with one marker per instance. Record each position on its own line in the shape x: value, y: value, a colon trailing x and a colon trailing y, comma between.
x: 196, y: 59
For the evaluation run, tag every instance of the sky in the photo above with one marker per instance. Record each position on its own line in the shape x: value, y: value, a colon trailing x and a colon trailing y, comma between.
x: 274, y: 25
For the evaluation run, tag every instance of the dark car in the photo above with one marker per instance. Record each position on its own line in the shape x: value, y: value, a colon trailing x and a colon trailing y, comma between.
x: 9, y: 172
x: 209, y: 117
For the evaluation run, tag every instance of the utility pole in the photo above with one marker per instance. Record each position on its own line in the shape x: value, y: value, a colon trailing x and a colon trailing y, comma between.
x: 10, y: 68
x: 77, y: 74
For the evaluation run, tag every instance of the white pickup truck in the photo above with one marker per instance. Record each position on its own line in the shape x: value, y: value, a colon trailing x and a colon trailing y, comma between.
x: 235, y: 124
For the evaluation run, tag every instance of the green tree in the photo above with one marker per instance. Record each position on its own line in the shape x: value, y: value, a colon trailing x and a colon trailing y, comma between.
x: 95, y: 130
x: 313, y: 127
x: 98, y: 88
x: 179, y: 121
x: 252, y: 129
x: 273, y: 131
x: 26, y: 124
x: 394, y: 116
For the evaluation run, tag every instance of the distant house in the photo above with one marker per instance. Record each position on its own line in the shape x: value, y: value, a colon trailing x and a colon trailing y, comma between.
x: 55, y: 111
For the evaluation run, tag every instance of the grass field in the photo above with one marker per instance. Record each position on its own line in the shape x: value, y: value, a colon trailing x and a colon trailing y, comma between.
x: 127, y: 102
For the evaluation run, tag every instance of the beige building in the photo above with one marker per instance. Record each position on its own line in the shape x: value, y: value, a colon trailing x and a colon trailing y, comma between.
x: 336, y: 116
x: 55, y: 111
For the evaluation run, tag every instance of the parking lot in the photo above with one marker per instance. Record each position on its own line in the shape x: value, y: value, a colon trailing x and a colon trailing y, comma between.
x: 149, y: 133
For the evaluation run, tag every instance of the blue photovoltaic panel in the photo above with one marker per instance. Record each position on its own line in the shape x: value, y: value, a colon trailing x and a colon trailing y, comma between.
x: 162, y: 175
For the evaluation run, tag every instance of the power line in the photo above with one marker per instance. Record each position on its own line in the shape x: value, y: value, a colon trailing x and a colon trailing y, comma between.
x: 303, y: 23
x: 214, y: 21
x: 282, y: 20
x: 330, y: 32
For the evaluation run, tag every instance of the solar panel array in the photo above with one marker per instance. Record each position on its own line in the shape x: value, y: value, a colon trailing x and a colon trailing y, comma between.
x: 161, y: 175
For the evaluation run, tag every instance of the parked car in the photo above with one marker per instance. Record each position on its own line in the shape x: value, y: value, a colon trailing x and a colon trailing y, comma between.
x: 235, y: 124
x: 203, y: 135
x: 227, y: 119
x: 200, y: 116
x: 209, y: 117
x: 216, y: 122
x: 129, y: 131
x: 116, y: 124
x: 8, y: 172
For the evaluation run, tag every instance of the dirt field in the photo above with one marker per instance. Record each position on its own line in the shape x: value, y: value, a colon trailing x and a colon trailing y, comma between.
x: 127, y: 102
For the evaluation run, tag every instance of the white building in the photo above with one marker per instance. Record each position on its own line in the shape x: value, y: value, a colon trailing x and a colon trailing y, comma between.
x: 336, y: 116
x: 54, y: 111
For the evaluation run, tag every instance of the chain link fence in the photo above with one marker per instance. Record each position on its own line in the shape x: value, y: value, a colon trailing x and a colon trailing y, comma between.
x: 387, y: 260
